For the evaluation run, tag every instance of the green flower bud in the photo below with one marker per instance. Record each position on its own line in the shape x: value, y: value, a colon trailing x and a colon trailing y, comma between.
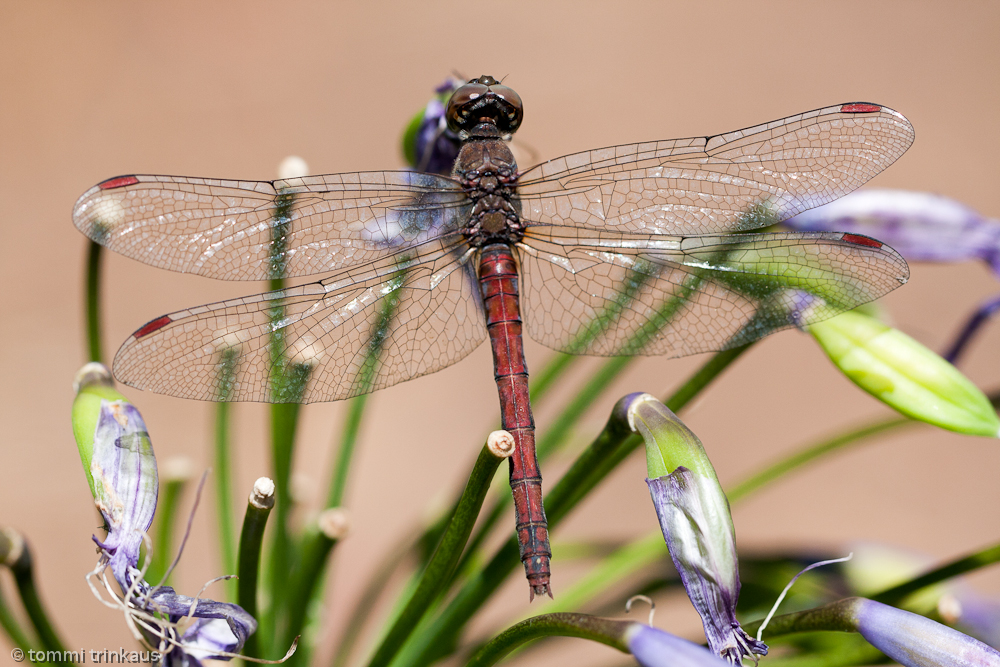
x: 904, y: 374
x: 93, y: 384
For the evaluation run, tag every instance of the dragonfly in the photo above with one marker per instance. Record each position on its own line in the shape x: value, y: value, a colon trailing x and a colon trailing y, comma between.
x: 645, y: 248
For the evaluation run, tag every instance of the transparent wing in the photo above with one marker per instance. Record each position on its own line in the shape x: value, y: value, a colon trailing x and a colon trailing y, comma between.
x: 607, y: 293
x: 254, y: 230
x: 360, y: 330
x: 705, y: 184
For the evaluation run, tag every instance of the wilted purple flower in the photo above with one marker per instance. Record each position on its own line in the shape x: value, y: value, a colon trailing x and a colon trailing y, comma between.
x: 118, y: 457
x: 922, y: 227
x: 696, y: 522
x: 914, y: 640
x: 654, y: 648
x: 220, y: 628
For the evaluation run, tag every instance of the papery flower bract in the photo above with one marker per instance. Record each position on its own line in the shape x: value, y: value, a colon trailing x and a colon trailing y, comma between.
x: 696, y: 522
x: 904, y: 374
x: 655, y: 648
x: 919, y: 225
x: 914, y: 640
x: 118, y: 457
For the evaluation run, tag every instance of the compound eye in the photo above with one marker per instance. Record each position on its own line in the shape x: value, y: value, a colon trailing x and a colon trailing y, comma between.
x: 513, y: 107
x: 456, y: 113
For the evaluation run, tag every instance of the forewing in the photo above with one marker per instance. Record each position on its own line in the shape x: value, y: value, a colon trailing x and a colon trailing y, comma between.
x: 360, y: 330
x: 256, y: 230
x: 707, y: 184
x: 605, y: 293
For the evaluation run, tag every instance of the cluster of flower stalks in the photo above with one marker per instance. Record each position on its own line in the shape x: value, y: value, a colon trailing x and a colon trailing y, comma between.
x: 846, y: 614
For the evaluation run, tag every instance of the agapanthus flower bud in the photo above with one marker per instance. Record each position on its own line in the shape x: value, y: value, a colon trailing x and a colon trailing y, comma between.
x: 654, y: 648
x: 118, y: 458
x: 904, y: 374
x: 914, y: 640
x: 428, y: 144
x: 696, y: 522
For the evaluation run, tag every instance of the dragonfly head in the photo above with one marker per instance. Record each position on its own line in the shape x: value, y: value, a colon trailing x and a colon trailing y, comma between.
x: 484, y: 100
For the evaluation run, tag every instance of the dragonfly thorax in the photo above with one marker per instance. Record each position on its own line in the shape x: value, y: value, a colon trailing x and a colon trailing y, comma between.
x: 486, y: 169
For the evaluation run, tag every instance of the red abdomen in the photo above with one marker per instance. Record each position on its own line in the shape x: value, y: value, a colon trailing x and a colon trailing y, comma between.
x: 498, y: 282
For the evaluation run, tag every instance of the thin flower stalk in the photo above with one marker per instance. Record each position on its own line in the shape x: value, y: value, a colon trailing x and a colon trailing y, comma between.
x: 605, y: 631
x: 437, y: 573
x: 16, y: 555
x: 92, y: 297
x: 259, y: 506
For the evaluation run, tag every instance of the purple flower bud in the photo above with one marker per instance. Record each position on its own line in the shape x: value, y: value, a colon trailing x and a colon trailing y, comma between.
x: 655, y: 648
x: 921, y: 226
x: 916, y: 641
x: 118, y: 459
x: 428, y: 143
x: 696, y: 522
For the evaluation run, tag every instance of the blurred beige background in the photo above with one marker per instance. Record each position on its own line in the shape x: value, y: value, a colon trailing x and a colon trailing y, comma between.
x: 96, y: 89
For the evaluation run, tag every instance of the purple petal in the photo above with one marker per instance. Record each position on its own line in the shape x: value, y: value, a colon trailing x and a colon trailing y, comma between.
x: 125, y: 481
x: 921, y: 226
x: 655, y: 648
x: 917, y: 641
x: 221, y: 627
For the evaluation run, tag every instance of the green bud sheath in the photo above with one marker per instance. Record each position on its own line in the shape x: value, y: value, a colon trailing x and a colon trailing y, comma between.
x: 93, y: 384
x: 904, y: 374
x: 669, y: 443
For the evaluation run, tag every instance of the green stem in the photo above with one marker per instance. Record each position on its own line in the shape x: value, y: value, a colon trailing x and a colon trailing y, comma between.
x: 441, y: 565
x: 316, y: 546
x: 611, y: 569
x: 605, y: 631
x: 15, y: 633
x: 224, y: 493
x: 836, y: 616
x: 896, y: 594
x: 163, y: 551
x: 254, y: 521
x: 93, y: 301
x: 804, y: 456
x: 613, y: 443
x: 545, y: 378
x: 557, y: 433
x: 355, y: 411
x: 22, y: 567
